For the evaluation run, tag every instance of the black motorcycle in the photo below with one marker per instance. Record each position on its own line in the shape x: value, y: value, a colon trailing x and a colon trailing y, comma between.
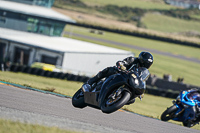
x: 114, y: 92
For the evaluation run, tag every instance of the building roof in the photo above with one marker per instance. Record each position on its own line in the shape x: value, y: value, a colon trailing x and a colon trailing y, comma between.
x: 34, y: 11
x: 185, y: 3
x: 58, y: 44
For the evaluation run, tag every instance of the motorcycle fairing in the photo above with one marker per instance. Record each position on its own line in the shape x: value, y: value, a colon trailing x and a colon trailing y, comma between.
x: 186, y: 115
x: 91, y: 98
x: 136, y: 84
x: 185, y: 99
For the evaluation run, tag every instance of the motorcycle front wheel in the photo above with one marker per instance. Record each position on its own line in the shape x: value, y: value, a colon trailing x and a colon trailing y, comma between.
x: 111, y: 104
x: 78, y: 99
x: 169, y: 113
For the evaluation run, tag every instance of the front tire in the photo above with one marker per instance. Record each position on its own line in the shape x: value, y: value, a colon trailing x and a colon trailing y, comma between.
x: 78, y: 99
x: 124, y: 98
x: 169, y: 113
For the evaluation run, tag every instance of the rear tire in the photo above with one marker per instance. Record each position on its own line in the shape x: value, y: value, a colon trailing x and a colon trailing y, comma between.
x: 191, y: 123
x: 169, y: 113
x: 78, y: 99
x: 117, y: 105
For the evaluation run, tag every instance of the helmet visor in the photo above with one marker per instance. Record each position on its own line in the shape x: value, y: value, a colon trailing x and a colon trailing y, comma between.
x: 147, y: 64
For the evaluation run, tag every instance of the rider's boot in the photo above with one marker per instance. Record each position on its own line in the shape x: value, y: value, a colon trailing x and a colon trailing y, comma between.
x: 90, y: 84
x: 86, y: 87
x: 102, y: 74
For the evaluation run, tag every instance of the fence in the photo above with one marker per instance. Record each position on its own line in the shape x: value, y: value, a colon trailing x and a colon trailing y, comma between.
x: 50, y: 74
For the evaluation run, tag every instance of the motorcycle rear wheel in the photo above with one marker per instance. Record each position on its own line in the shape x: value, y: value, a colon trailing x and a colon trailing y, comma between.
x: 169, y: 113
x: 120, y: 102
x: 78, y: 99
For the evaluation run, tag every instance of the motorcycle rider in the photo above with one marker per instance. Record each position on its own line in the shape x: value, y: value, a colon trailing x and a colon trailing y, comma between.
x: 145, y: 59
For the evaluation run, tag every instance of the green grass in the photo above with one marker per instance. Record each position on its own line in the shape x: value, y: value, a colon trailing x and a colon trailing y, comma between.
x: 158, y: 105
x: 196, y: 16
x: 7, y: 126
x: 159, y: 22
x: 141, y: 42
x: 154, y: 22
x: 144, y: 4
x: 151, y: 106
x: 59, y: 86
x: 162, y: 64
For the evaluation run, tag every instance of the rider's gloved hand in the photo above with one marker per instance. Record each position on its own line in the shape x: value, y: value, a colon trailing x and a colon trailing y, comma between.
x: 120, y: 65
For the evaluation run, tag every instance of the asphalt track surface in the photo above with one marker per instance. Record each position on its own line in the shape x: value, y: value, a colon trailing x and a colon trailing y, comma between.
x: 50, y: 110
x: 138, y: 48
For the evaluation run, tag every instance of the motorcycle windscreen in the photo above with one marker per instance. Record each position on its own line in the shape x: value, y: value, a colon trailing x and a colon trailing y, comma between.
x: 138, y: 80
x: 194, y: 96
x: 143, y: 73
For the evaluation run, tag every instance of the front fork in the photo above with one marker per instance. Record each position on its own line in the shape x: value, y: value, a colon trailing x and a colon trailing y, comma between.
x: 180, y: 110
x: 116, y: 93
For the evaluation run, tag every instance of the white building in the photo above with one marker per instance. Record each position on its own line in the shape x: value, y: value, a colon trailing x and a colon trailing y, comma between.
x: 30, y: 32
x: 70, y: 55
x: 184, y: 3
x: 32, y: 18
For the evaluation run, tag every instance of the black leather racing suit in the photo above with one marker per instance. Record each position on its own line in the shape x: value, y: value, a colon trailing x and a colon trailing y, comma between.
x: 127, y: 62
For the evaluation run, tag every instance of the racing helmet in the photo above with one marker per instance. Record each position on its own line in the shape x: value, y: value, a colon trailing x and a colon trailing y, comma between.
x: 145, y: 59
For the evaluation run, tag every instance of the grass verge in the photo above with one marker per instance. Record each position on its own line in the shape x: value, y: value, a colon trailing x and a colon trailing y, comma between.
x: 7, y: 126
x: 164, y: 23
x: 144, y: 4
x: 49, y: 84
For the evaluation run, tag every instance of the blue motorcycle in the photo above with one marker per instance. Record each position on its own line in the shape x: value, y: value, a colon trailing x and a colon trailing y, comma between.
x: 184, y: 109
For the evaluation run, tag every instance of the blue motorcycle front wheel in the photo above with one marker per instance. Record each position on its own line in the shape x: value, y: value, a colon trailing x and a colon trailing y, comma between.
x: 169, y: 113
